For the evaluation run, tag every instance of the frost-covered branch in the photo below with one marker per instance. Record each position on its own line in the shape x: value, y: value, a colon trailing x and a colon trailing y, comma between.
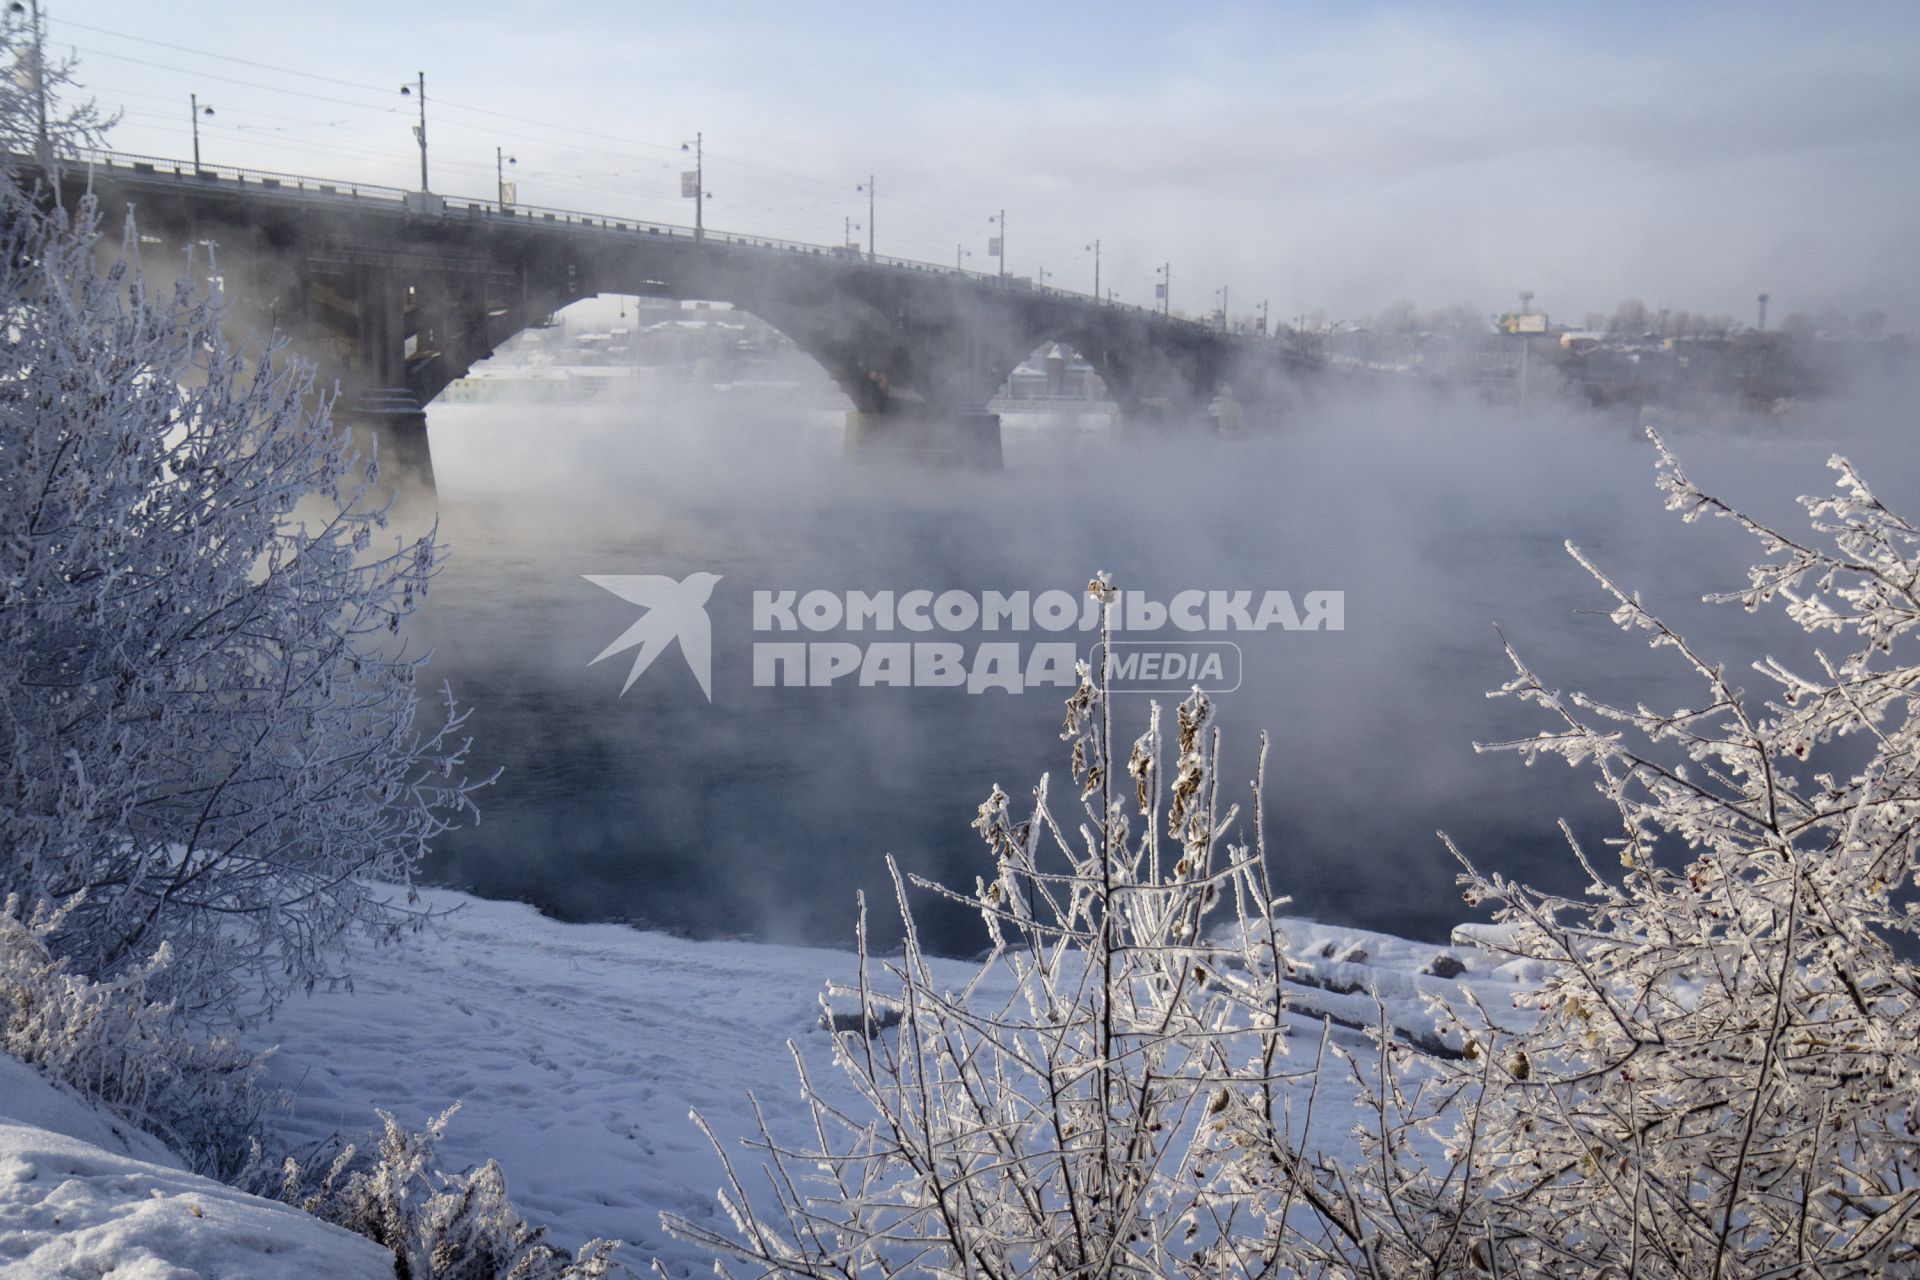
x: 1086, y: 1103
x: 210, y: 735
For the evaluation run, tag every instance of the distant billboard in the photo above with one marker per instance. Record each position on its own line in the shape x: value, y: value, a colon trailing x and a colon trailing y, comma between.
x: 1521, y: 322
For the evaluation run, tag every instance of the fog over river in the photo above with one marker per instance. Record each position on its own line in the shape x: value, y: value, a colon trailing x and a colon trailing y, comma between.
x: 763, y: 812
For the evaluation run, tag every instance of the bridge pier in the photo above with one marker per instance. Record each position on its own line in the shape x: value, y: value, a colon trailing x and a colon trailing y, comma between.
x: 918, y: 434
x: 392, y: 427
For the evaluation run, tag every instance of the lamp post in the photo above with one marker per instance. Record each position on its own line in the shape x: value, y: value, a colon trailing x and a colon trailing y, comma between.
x: 1165, y: 273
x: 1264, y: 329
x: 868, y: 188
x: 195, y: 112
x: 1095, y: 248
x: 698, y: 147
x: 420, y: 130
x: 43, y: 147
x: 1220, y: 296
x: 500, y: 163
x: 849, y: 226
x: 960, y: 254
x: 1526, y: 346
x: 998, y: 246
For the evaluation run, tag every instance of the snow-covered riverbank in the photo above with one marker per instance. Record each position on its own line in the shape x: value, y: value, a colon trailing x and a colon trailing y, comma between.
x: 577, y: 1051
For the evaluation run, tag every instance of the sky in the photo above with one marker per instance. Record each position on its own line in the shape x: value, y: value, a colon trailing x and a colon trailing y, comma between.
x: 1314, y: 158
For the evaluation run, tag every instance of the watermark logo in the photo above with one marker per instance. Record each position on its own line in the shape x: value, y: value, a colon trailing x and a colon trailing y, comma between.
x: 1010, y: 641
x: 674, y: 611
x: 1163, y: 666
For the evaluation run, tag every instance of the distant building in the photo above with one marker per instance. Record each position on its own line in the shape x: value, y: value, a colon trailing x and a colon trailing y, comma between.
x: 1055, y: 373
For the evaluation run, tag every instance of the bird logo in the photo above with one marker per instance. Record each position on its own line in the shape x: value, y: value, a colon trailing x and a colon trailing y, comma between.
x: 674, y: 611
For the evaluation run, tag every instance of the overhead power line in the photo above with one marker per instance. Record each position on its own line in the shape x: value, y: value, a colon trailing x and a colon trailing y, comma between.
x: 338, y: 137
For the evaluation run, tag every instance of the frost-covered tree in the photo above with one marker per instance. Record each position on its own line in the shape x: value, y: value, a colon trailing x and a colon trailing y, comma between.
x: 201, y: 1095
x: 209, y: 733
x: 1717, y: 1076
x: 1098, y: 1100
x: 34, y: 112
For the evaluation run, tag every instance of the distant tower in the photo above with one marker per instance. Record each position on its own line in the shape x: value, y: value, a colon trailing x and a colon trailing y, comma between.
x: 1763, y: 312
x: 1526, y: 346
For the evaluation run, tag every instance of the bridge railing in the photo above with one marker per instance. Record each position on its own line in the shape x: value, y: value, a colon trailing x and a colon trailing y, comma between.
x: 266, y: 179
x: 305, y: 186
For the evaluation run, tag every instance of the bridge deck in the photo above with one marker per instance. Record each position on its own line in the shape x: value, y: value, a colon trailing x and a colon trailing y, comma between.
x: 128, y: 168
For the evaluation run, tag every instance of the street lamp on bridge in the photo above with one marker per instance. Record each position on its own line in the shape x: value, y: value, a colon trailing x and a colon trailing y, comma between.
x: 500, y: 163
x: 848, y: 227
x: 420, y: 130
x: 196, y: 111
x: 868, y: 188
x: 1220, y: 296
x: 960, y: 253
x: 997, y: 245
x: 1165, y: 288
x: 1094, y: 249
x: 698, y: 185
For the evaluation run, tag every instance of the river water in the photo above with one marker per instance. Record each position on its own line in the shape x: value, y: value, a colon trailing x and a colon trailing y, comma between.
x: 763, y: 812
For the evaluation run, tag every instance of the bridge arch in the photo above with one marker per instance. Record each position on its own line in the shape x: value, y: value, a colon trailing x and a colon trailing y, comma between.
x: 611, y: 347
x: 1149, y: 369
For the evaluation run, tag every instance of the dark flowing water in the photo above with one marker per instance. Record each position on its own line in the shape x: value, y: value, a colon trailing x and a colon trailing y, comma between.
x: 763, y: 812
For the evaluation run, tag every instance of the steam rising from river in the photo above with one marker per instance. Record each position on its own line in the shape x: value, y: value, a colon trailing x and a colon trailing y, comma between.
x: 763, y: 812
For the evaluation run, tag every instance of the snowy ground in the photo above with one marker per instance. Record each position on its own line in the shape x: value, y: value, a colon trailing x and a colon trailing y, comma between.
x: 83, y: 1196
x: 577, y: 1051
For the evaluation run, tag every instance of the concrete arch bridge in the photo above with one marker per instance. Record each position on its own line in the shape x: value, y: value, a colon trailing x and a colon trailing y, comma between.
x: 395, y: 294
